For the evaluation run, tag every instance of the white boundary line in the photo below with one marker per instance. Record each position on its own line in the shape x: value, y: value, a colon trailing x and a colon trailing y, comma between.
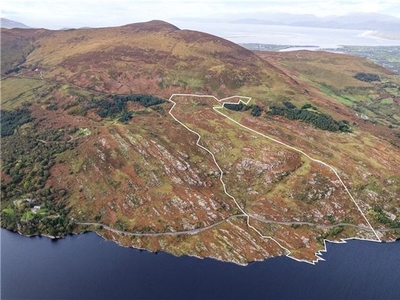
x: 217, y: 109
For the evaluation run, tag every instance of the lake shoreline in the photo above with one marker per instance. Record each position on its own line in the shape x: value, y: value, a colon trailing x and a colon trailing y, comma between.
x: 319, y: 254
x: 37, y: 268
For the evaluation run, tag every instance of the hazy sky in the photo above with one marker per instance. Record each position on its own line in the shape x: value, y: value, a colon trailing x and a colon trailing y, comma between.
x: 56, y: 14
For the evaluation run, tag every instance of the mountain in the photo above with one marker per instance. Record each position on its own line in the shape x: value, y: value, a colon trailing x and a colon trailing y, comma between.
x: 6, y: 23
x: 116, y: 130
x: 123, y: 57
x: 363, y: 21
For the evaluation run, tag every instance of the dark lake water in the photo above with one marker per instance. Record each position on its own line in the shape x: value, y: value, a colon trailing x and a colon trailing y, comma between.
x: 87, y: 267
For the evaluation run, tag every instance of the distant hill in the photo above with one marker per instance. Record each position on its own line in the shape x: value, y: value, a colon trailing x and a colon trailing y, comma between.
x: 371, y: 21
x: 6, y: 23
x: 365, y: 21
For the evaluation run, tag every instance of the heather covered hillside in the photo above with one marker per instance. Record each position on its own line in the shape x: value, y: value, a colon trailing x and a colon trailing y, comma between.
x: 94, y: 139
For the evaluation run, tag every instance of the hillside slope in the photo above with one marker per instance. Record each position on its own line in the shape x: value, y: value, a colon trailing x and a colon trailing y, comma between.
x: 91, y: 140
x: 143, y: 57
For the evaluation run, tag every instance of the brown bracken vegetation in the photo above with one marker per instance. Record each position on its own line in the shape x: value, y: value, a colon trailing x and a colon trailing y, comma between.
x: 88, y: 139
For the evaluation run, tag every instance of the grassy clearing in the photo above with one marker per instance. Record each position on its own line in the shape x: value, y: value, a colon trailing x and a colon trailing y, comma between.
x: 237, y: 116
x: 194, y: 82
x: 345, y: 100
x: 9, y: 211
x: 305, y: 167
x: 387, y: 101
x: 42, y: 211
x: 183, y: 79
x: 354, y: 97
x: 27, y: 216
x: 83, y: 132
x: 16, y: 91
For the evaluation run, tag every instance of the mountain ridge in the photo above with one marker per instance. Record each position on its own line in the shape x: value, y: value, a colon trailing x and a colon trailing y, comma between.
x: 79, y: 46
x: 360, y: 21
x: 7, y: 23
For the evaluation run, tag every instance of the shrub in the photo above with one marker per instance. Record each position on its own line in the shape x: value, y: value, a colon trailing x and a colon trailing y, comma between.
x: 319, y: 120
x: 256, y: 111
x: 367, y: 77
x: 10, y: 120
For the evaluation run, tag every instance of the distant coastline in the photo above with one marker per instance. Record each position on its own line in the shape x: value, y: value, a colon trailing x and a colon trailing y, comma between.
x: 293, y: 35
x: 382, y: 35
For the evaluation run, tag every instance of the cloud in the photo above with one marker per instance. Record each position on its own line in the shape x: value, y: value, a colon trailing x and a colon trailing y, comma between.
x: 77, y: 13
x: 327, y: 7
x: 56, y: 14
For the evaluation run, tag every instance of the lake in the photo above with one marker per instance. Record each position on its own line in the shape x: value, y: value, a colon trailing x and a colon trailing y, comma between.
x: 87, y: 267
x: 288, y: 35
